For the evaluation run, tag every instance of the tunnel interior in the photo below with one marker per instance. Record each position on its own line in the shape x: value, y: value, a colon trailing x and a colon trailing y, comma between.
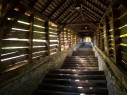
x: 38, y: 35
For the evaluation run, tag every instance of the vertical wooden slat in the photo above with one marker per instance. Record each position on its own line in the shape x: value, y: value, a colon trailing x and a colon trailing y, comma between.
x: 47, y: 37
x: 1, y: 37
x: 116, y: 32
x: 30, y: 37
x: 59, y: 38
x: 106, y: 36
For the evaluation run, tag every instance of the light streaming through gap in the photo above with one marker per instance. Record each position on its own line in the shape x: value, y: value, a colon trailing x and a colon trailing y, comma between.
x: 13, y: 57
x: 9, y: 53
x: 39, y: 32
x: 15, y: 47
x: 122, y: 44
x: 19, y: 29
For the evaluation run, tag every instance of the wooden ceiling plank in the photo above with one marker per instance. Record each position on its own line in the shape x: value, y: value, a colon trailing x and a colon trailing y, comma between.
x: 50, y: 1
x: 95, y: 12
x: 58, y: 7
x: 82, y: 23
x: 85, y: 30
x: 73, y: 18
x: 103, y: 3
x: 35, y: 12
x: 91, y: 14
x: 63, y: 12
x: 32, y: 3
x: 67, y: 17
x: 102, y: 10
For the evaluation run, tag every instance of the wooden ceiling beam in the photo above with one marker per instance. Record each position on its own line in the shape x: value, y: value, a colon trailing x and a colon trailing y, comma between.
x: 58, y: 7
x: 103, y: 3
x: 92, y: 15
x: 50, y: 1
x: 102, y: 10
x: 88, y: 16
x: 73, y: 18
x: 85, y: 30
x: 32, y: 3
x: 35, y: 12
x: 63, y: 12
x: 82, y: 23
x: 67, y: 17
x: 6, y: 8
x: 95, y: 12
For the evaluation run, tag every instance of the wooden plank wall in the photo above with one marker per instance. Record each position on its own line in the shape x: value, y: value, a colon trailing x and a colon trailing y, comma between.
x: 27, y: 37
x: 68, y: 39
x: 114, y: 34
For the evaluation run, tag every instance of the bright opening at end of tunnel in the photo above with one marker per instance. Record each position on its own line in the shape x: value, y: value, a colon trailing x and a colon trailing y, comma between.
x: 87, y: 39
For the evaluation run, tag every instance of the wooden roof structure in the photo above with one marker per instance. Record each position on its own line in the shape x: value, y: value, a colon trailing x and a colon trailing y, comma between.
x: 80, y: 15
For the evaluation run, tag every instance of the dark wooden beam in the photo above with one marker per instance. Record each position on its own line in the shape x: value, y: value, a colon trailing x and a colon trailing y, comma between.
x: 93, y: 11
x: 36, y: 13
x: 104, y: 15
x: 91, y: 14
x: 98, y: 8
x: 49, y: 2
x: 68, y: 17
x: 73, y: 18
x: 32, y: 3
x: 80, y: 23
x: 6, y: 8
x: 63, y: 12
x: 56, y: 9
x: 47, y: 37
x: 88, y: 16
x: 85, y: 30
x: 30, y: 37
x: 103, y: 3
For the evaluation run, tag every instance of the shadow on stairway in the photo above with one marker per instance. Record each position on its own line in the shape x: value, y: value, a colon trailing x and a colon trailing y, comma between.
x: 79, y: 75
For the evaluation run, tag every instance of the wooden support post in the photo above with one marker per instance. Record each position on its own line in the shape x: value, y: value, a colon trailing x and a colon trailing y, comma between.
x: 1, y: 37
x: 30, y: 37
x: 116, y: 33
x: 47, y: 37
x: 105, y: 29
x: 59, y: 38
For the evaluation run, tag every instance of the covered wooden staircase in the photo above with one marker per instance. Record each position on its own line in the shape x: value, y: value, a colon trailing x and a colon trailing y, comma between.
x: 79, y: 75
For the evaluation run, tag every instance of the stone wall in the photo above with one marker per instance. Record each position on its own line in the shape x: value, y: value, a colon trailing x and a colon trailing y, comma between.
x: 27, y: 82
x: 115, y: 87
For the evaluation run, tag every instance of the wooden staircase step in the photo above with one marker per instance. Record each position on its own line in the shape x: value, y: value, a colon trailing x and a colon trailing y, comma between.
x: 73, y: 89
x: 76, y: 71
x: 79, y: 75
x: 84, y: 83
x: 48, y: 92
x: 88, y: 56
x: 69, y: 61
x: 81, y: 64
x: 72, y: 67
x: 75, y: 76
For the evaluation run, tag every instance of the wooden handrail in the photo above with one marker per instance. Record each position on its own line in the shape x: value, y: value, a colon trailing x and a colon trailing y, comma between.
x: 118, y: 71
